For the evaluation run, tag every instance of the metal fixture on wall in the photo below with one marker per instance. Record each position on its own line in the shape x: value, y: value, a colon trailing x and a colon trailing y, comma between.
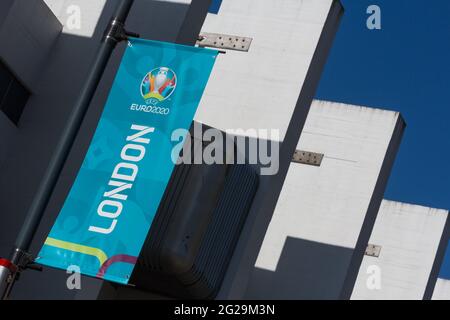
x: 373, y: 250
x: 306, y: 157
x: 224, y: 41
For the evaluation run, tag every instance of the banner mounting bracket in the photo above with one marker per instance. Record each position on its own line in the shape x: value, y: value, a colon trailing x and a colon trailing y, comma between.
x: 224, y: 41
x: 116, y: 32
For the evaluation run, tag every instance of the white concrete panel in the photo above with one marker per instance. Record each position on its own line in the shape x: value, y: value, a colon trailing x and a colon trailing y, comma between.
x: 409, y: 237
x: 259, y: 89
x: 441, y: 290
x: 328, y: 204
x: 79, y: 17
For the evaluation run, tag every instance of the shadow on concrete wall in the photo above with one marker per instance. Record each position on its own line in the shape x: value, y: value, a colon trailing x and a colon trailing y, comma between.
x: 306, y: 270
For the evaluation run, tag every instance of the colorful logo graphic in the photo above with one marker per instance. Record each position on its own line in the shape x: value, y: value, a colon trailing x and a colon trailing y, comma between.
x: 158, y: 85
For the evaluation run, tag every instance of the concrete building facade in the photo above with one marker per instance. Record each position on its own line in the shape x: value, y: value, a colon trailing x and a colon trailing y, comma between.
x: 407, y: 237
x: 311, y: 224
x: 299, y: 33
x: 325, y: 212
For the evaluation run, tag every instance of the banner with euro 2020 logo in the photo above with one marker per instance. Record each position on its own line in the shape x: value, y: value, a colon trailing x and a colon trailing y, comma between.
x: 109, y: 210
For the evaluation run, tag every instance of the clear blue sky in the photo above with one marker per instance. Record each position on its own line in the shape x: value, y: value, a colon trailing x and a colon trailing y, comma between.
x: 405, y: 67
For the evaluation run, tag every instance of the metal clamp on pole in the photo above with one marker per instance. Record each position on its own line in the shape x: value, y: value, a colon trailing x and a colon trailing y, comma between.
x: 117, y: 32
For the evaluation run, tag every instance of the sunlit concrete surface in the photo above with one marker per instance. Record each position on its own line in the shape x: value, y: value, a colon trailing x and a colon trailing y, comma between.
x: 79, y: 17
x: 259, y: 89
x: 442, y: 290
x: 325, y: 207
x: 409, y: 236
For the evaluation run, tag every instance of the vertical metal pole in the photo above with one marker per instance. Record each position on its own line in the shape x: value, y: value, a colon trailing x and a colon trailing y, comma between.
x: 19, y: 256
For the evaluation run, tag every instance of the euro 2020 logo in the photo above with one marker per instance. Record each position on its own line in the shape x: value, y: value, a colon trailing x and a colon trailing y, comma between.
x: 158, y: 85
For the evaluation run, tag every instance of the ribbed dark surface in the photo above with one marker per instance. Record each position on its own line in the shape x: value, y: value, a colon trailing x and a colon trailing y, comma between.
x: 163, y: 217
x: 219, y: 238
x: 222, y: 235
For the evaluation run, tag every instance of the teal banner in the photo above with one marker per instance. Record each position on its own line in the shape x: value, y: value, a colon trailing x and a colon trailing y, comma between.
x: 109, y: 210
